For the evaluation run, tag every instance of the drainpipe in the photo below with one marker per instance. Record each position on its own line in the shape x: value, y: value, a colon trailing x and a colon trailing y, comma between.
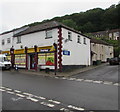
x: 12, y: 57
x: 26, y: 58
x: 55, y: 57
x: 36, y: 57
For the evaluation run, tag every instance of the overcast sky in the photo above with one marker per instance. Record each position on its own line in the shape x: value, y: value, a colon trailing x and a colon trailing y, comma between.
x: 16, y: 13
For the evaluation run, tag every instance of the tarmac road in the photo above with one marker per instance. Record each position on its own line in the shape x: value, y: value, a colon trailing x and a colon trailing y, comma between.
x: 32, y: 92
x: 103, y: 73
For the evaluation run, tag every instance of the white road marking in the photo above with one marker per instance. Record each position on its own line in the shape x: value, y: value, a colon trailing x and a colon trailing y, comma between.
x: 71, y: 79
x: 106, y: 82
x: 97, y: 82
x: 116, y: 84
x: 64, y: 78
x: 17, y: 91
x: 79, y: 79
x: 8, y: 89
x: 76, y: 108
x: 65, y: 110
x: 56, y: 102
x: 10, y: 92
x: 32, y: 99
x: 2, y: 90
x: 2, y: 87
x: 47, y: 104
x: 28, y: 94
x: 20, y: 95
x: 40, y: 97
x: 56, y: 77
x: 88, y: 80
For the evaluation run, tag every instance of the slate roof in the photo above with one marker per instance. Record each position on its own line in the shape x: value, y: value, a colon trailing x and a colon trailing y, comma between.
x: 45, y: 26
x: 93, y: 40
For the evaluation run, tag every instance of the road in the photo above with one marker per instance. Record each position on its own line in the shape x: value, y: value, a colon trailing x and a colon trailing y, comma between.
x: 81, y: 92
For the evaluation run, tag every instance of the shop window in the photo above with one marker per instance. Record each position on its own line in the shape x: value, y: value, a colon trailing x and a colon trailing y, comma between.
x: 3, y: 42
x: 46, y: 59
x: 78, y: 39
x: 69, y: 36
x: 8, y: 40
x: 48, y: 34
x: 84, y: 40
x: 18, y: 39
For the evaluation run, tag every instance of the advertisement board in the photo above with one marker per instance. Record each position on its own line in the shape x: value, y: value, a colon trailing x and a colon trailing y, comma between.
x: 46, y: 59
x: 20, y: 60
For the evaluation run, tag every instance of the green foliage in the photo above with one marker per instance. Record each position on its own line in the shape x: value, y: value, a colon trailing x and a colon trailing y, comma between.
x: 93, y: 20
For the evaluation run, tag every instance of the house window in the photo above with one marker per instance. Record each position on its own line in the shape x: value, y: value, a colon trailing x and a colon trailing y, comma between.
x: 3, y: 42
x: 84, y: 41
x: 18, y: 39
x: 8, y: 40
x: 69, y: 36
x: 48, y: 34
x: 78, y: 39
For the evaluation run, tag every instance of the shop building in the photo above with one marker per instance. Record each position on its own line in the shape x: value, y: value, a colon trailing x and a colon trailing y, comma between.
x: 49, y: 45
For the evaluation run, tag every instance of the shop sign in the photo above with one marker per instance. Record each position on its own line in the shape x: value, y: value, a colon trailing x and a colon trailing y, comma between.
x: 44, y: 50
x: 31, y: 50
x: 20, y: 51
x: 66, y: 52
x: 5, y: 52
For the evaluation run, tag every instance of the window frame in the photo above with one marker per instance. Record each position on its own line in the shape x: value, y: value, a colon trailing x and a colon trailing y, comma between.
x: 18, y: 39
x: 79, y: 39
x: 3, y: 41
x: 69, y: 35
x: 8, y: 40
x: 48, y: 32
x: 84, y: 41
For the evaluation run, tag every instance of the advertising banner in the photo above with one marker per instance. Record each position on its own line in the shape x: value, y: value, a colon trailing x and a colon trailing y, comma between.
x: 20, y: 60
x: 46, y: 59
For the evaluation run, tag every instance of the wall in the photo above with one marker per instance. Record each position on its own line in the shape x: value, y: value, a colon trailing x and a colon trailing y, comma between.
x: 102, y: 52
x: 37, y: 38
x: 79, y: 53
x: 6, y: 46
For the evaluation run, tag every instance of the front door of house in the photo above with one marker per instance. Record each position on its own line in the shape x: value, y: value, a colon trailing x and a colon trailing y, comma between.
x: 32, y: 61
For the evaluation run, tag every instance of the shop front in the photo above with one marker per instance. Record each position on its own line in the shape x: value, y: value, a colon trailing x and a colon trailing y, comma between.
x: 33, y: 58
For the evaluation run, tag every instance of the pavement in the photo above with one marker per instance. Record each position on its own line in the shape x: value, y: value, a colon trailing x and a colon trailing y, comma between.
x: 60, y: 74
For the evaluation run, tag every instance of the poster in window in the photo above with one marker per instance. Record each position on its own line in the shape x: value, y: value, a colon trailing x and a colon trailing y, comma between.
x: 50, y: 59
x: 41, y: 59
x: 20, y: 60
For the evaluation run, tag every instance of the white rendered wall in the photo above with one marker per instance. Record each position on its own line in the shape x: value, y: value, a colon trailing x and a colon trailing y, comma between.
x: 6, y: 46
x: 79, y: 53
x: 37, y: 38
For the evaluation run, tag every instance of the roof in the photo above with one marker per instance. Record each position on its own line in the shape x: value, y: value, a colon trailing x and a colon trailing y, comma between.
x: 45, y: 26
x: 93, y: 40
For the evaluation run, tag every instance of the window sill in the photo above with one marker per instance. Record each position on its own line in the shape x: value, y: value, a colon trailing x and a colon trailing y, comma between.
x: 48, y: 37
x: 18, y: 42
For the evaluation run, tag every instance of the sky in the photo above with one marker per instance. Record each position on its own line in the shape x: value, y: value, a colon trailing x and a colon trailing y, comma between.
x: 17, y: 13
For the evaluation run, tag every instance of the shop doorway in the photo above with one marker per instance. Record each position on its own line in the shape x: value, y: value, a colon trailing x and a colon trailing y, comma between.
x: 32, y: 61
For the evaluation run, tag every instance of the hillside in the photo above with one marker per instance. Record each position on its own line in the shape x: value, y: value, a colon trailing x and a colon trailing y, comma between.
x: 93, y: 20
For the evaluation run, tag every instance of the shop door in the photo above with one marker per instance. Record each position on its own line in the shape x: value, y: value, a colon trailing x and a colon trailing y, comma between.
x: 32, y: 61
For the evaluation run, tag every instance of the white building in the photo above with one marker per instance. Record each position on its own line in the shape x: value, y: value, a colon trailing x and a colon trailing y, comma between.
x: 101, y: 51
x: 34, y: 46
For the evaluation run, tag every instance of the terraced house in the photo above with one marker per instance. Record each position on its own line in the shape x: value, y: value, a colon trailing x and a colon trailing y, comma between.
x: 49, y: 45
x: 100, y: 51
